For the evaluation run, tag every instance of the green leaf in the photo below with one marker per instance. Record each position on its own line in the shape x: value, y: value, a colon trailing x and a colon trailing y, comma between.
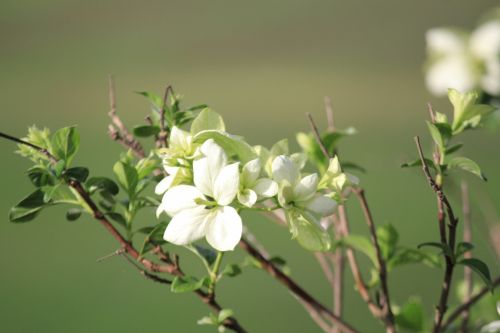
x: 463, y: 247
x: 440, y: 134
x: 103, y: 183
x: 406, y: 256
x: 153, y: 98
x: 73, y: 214
x: 145, y: 131
x: 65, y: 144
x: 418, y: 162
x: 184, y: 284
x: 224, y: 314
x: 58, y: 168
x: 60, y: 194
x: 280, y: 148
x: 40, y: 176
x: 117, y: 217
x: 78, y: 173
x: 154, y: 237
x: 466, y: 164
x: 281, y: 264
x: 361, y: 244
x: 411, y: 316
x: 480, y: 268
x: 207, y: 120
x: 127, y: 177
x: 207, y: 253
x: 388, y: 239
x: 454, y: 148
x: 444, y: 247
x: 309, y: 234
x: 231, y: 144
x: 466, y: 112
x: 232, y: 270
x: 28, y: 208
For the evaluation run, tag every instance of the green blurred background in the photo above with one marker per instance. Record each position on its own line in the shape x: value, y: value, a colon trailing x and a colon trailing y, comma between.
x: 262, y: 65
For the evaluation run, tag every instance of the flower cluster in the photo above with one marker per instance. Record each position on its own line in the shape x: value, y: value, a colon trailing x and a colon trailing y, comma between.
x: 464, y: 61
x: 213, y: 175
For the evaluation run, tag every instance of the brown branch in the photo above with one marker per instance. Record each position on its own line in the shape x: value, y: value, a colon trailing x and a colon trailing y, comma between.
x: 338, y: 262
x: 468, y: 304
x: 329, y: 114
x: 382, y: 269
x: 294, y: 288
x: 121, y: 133
x: 317, y: 135
x: 162, y: 136
x: 452, y: 230
x: 467, y: 237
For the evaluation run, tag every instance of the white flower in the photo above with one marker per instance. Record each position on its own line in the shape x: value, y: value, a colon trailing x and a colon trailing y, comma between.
x: 454, y: 71
x: 491, y: 79
x: 485, y: 41
x: 300, y: 192
x: 252, y: 187
x: 445, y: 41
x: 203, y: 210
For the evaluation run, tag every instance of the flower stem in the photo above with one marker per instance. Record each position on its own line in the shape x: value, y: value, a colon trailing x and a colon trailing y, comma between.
x: 214, y: 273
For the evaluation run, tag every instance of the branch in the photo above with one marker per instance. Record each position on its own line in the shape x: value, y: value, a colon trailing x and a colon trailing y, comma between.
x: 452, y: 230
x: 41, y: 150
x: 121, y: 133
x: 317, y: 135
x: 466, y: 238
x: 297, y: 290
x: 382, y: 269
x: 465, y: 306
x: 162, y: 137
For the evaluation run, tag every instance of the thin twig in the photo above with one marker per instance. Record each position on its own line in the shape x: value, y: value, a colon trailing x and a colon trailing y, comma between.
x: 317, y: 135
x: 329, y: 114
x: 121, y: 133
x: 467, y: 305
x: 162, y: 137
x: 466, y: 238
x: 382, y: 269
x: 112, y: 254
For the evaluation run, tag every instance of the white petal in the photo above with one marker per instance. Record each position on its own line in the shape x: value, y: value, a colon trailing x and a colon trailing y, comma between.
x: 179, y: 139
x: 179, y: 198
x: 215, y: 153
x: 164, y: 185
x: 250, y: 172
x: 306, y: 188
x: 445, y: 41
x: 455, y: 72
x: 247, y: 197
x: 187, y: 226
x: 202, y: 177
x: 266, y: 187
x: 283, y: 168
x: 227, y: 184
x: 485, y: 40
x: 491, y: 80
x: 321, y: 205
x: 224, y: 229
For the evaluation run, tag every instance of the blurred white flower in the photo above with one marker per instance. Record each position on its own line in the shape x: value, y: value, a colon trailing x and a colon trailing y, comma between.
x: 463, y: 62
x: 203, y: 210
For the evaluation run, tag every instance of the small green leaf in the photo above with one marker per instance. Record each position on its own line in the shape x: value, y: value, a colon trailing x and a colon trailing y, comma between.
x: 466, y: 164
x: 454, y: 148
x: 207, y: 253
x: 480, y: 268
x: 440, y: 133
x: 77, y: 173
x: 207, y: 120
x: 281, y: 264
x: 145, y: 131
x: 463, y: 247
x: 117, y: 217
x: 388, y: 239
x: 411, y: 316
x: 154, y: 237
x: 309, y: 234
x: 28, y: 208
x: 224, y: 314
x: 418, y: 162
x: 127, y: 177
x: 361, y: 244
x: 183, y: 284
x: 280, y: 148
x: 103, y: 183
x: 232, y: 270
x: 73, y: 214
x: 231, y: 144
x: 406, y: 256
x: 65, y: 143
x: 58, y: 168
x: 40, y: 176
x: 444, y: 247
